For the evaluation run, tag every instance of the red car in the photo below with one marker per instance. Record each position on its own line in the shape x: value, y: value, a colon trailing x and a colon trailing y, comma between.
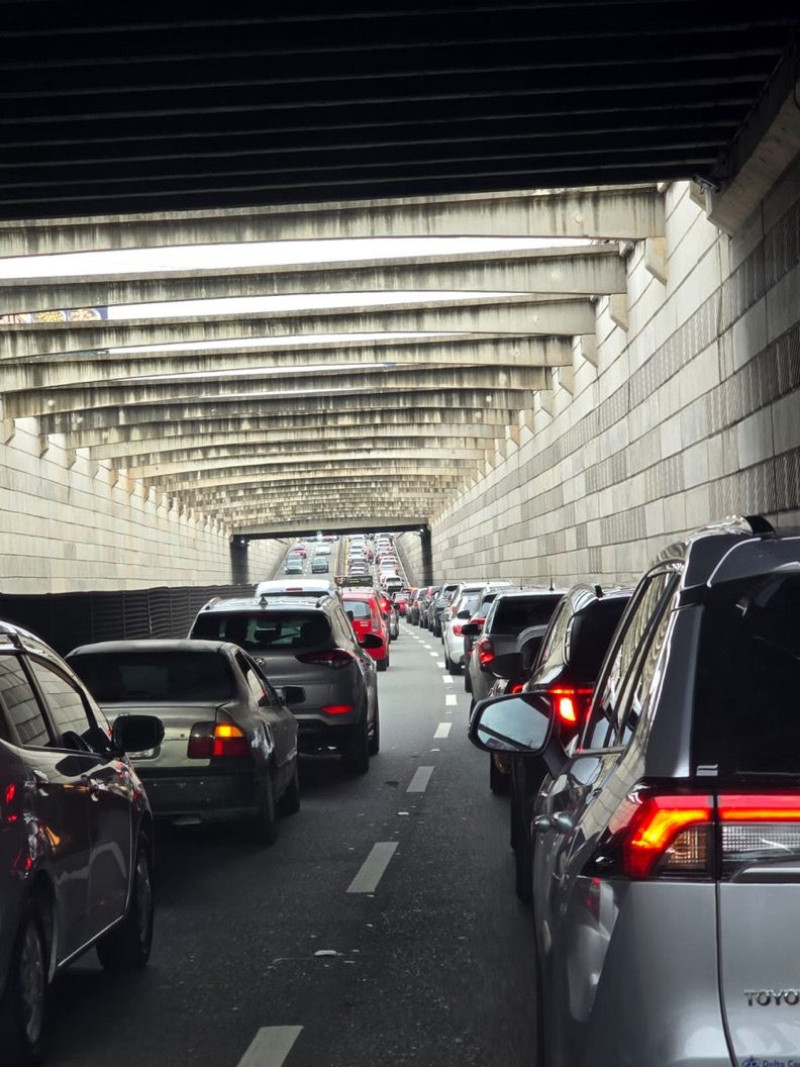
x: 365, y: 614
x: 401, y: 602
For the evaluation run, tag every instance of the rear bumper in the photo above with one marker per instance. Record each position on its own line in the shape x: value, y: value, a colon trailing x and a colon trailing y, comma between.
x: 210, y: 797
x: 318, y: 736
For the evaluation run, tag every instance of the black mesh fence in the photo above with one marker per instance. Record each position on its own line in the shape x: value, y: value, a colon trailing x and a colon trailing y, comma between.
x: 66, y: 620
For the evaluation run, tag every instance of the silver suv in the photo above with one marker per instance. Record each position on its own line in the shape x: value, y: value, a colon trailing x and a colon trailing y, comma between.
x: 308, y: 641
x: 76, y: 836
x: 666, y: 858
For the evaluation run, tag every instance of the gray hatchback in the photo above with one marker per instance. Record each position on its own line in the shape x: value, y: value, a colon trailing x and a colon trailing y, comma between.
x: 666, y: 860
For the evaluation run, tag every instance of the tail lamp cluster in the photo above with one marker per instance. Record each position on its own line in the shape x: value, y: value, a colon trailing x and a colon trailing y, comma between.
x: 698, y: 835
x: 217, y: 740
x: 336, y: 658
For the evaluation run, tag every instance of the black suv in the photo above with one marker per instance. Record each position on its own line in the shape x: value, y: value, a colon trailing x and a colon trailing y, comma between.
x: 565, y: 672
x: 308, y: 641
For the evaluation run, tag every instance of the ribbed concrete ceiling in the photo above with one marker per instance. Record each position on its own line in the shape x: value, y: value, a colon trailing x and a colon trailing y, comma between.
x: 155, y: 106
x: 390, y: 381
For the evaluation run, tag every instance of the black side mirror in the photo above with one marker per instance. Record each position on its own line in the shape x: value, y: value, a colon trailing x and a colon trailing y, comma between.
x: 371, y: 641
x: 463, y: 614
x: 520, y: 723
x: 137, y: 733
x: 471, y: 629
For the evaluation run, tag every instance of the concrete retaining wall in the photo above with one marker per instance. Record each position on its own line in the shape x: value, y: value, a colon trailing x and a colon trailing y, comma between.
x: 67, y: 523
x: 691, y: 413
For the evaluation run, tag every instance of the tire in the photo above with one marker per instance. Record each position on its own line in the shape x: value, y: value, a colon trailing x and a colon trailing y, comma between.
x: 383, y: 664
x: 289, y: 803
x: 375, y: 740
x: 265, y: 823
x: 128, y: 944
x: 467, y: 681
x: 451, y: 665
x: 499, y: 783
x: 24, y: 1011
x: 355, y: 755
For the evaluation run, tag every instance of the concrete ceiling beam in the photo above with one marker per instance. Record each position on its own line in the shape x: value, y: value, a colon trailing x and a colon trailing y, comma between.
x: 49, y: 372
x: 471, y: 404
x: 445, y: 473
x: 179, y: 462
x: 516, y: 316
x: 340, y: 386
x: 634, y: 211
x: 412, y: 520
x: 300, y: 459
x: 586, y: 270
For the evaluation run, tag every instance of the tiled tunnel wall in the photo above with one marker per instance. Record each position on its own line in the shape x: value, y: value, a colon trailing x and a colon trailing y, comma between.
x: 691, y: 413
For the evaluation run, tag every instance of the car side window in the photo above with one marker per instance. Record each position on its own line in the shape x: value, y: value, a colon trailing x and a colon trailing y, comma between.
x: 643, y: 679
x: 555, y: 638
x: 607, y: 708
x: 18, y: 701
x: 252, y: 678
x: 65, y: 701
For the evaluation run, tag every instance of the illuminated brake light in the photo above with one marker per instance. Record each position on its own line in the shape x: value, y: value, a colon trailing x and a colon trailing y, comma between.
x: 217, y: 740
x: 570, y: 703
x: 671, y: 832
x: 485, y: 651
x: 337, y: 658
x: 8, y: 810
x: 456, y: 629
x: 338, y: 709
x: 517, y: 688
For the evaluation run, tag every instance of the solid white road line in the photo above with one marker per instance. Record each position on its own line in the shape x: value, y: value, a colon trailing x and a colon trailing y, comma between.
x: 270, y: 1046
x: 442, y: 730
x: 419, y: 783
x: 366, y: 881
x: 451, y: 700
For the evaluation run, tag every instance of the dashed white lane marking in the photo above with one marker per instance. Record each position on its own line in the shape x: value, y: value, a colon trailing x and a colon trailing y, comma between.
x: 419, y: 783
x: 434, y: 654
x: 440, y: 663
x: 366, y: 881
x: 442, y: 730
x: 447, y: 679
x: 451, y: 700
x: 270, y: 1046
x: 425, y: 644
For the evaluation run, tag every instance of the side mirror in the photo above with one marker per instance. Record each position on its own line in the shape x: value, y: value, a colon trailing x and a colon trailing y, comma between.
x: 463, y: 614
x: 371, y: 641
x: 519, y: 722
x: 471, y: 629
x: 137, y: 733
x: 291, y: 694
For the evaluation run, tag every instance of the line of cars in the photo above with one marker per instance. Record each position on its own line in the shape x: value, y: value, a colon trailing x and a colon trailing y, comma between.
x: 654, y: 752
x: 205, y: 728
x: 312, y: 557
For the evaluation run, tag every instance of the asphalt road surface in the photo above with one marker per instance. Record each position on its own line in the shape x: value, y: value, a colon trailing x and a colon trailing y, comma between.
x: 381, y: 929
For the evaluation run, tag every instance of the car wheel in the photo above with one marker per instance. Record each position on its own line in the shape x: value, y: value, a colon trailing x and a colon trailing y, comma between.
x: 523, y: 863
x: 290, y: 801
x: 24, y: 1010
x: 265, y: 822
x: 383, y: 664
x: 355, y: 754
x: 375, y: 739
x: 452, y: 666
x: 467, y: 681
x: 128, y: 944
x: 498, y: 782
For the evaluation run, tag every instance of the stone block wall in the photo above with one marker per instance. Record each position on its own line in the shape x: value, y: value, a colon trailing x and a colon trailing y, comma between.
x: 687, y: 409
x: 67, y: 523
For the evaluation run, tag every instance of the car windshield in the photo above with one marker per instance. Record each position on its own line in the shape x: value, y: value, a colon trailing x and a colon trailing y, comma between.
x: 266, y: 631
x: 152, y: 676
x: 518, y: 613
x: 748, y: 677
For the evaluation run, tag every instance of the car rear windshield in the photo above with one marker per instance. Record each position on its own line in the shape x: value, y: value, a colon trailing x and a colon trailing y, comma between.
x: 266, y: 631
x: 359, y: 609
x: 514, y: 614
x: 155, y: 677
x: 746, y: 719
x: 591, y: 634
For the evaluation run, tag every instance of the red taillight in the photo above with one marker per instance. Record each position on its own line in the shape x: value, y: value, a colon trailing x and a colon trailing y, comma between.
x: 657, y: 833
x: 9, y: 808
x: 456, y: 629
x: 485, y: 651
x: 338, y: 709
x: 217, y: 740
x: 337, y: 658
x: 571, y: 704
x: 517, y: 688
